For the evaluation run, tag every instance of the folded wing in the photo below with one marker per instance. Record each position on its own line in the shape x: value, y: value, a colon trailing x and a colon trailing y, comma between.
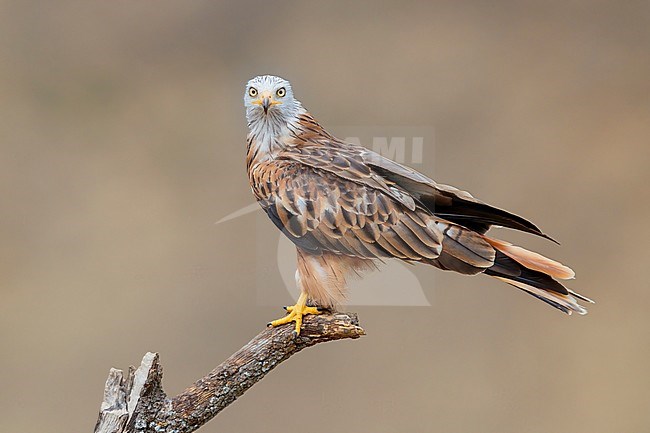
x: 319, y: 211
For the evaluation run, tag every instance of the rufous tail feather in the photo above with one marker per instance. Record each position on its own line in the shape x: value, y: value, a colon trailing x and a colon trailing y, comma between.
x: 532, y: 260
x: 534, y: 274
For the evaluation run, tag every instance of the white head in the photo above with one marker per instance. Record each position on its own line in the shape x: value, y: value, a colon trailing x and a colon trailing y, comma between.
x: 269, y: 100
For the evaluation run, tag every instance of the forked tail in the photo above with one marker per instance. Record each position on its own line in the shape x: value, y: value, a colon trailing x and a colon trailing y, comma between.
x: 535, y: 274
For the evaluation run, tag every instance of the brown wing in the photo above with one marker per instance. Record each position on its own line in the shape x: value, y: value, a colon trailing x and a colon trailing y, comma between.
x: 322, y: 211
x: 317, y: 148
x: 345, y: 163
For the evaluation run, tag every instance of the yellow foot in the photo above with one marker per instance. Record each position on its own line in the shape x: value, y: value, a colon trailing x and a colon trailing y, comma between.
x: 296, y: 312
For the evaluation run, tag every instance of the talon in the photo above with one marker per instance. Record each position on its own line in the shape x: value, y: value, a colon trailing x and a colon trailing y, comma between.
x: 296, y: 313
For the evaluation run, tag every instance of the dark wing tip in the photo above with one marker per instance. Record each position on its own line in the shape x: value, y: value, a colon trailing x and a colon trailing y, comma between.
x: 545, y: 236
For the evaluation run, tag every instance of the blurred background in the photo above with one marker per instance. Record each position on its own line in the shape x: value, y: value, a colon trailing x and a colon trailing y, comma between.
x: 122, y: 140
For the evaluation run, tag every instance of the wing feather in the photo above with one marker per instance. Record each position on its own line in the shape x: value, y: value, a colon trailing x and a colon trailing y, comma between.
x: 369, y: 206
x: 445, y: 201
x: 318, y: 207
x: 345, y: 163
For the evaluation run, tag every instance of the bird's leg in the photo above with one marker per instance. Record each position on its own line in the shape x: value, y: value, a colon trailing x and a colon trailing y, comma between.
x: 296, y: 312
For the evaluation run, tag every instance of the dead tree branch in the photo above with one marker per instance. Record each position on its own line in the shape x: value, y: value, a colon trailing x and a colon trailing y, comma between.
x: 137, y: 402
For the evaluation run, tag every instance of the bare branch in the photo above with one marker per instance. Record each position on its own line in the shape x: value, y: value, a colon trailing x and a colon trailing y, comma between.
x: 137, y: 402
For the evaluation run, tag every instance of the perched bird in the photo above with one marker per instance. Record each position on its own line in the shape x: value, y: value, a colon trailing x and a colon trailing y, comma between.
x: 346, y: 207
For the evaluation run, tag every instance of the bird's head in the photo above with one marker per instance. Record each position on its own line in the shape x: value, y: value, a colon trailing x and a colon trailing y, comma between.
x: 269, y: 97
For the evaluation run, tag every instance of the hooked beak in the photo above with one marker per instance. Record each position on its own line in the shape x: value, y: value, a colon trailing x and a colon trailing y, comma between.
x: 266, y: 103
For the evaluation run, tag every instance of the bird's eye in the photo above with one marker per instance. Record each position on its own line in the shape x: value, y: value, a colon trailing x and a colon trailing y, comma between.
x: 252, y: 92
x: 281, y: 92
